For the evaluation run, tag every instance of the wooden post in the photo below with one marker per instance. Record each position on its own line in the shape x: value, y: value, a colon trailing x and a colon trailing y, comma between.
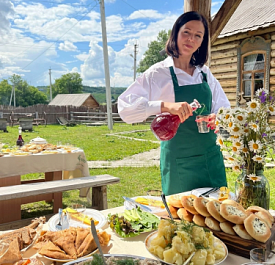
x: 204, y: 8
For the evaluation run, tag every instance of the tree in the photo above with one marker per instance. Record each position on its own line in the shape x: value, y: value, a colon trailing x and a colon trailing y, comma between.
x: 25, y: 95
x: 152, y: 55
x: 70, y: 83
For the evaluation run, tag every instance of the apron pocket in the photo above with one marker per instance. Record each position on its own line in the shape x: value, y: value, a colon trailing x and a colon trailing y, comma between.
x: 193, y: 172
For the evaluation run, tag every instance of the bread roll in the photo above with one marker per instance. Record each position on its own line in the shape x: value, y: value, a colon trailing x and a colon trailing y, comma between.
x: 199, y: 220
x: 227, y: 227
x: 212, y: 223
x: 265, y: 217
x: 200, y: 206
x: 175, y: 201
x: 257, y: 228
x: 234, y: 203
x: 185, y: 215
x: 233, y: 214
x: 241, y: 232
x: 188, y: 203
x: 255, y: 209
x: 213, y: 208
x: 173, y: 211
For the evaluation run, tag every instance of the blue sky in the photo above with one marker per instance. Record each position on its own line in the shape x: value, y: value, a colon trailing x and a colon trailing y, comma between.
x: 65, y: 35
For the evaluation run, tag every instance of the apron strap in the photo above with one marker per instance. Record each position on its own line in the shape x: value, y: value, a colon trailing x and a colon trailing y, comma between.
x: 174, y: 77
x: 204, y: 76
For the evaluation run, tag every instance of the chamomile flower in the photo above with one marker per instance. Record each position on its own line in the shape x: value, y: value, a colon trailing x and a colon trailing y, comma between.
x: 238, y: 144
x: 259, y: 159
x: 245, y: 150
x: 240, y: 118
x: 271, y: 110
x: 255, y: 146
x: 254, y: 178
x: 219, y: 140
x: 260, y: 91
x: 253, y: 105
x: 236, y: 167
x: 254, y: 126
x: 231, y: 158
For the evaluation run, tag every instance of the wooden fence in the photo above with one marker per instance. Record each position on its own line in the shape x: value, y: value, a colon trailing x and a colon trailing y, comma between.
x: 41, y: 112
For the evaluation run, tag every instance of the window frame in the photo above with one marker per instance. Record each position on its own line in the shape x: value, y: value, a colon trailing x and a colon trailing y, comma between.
x: 242, y: 95
x: 252, y: 45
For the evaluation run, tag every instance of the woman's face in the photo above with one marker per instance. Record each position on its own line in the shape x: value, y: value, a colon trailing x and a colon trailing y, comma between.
x: 190, y: 37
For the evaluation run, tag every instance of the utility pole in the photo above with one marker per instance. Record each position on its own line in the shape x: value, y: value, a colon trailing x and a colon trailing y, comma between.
x: 106, y: 65
x: 50, y: 74
x: 135, y: 60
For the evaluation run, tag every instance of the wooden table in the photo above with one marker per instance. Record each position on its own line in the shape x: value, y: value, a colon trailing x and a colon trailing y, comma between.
x: 55, y: 167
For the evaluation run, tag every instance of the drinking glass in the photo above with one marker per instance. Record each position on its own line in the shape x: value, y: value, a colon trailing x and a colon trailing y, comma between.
x: 202, y: 122
x: 260, y: 255
x: 80, y: 208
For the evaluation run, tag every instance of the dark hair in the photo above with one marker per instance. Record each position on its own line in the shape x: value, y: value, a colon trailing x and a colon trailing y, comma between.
x: 200, y: 56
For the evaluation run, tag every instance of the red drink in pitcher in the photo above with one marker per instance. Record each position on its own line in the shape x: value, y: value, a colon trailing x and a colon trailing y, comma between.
x: 165, y: 126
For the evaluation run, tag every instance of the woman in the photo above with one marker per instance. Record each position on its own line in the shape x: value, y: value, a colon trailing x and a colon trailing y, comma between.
x: 189, y: 160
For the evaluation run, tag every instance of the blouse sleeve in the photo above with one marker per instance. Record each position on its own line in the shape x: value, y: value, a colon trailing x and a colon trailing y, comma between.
x: 136, y: 104
x: 219, y: 99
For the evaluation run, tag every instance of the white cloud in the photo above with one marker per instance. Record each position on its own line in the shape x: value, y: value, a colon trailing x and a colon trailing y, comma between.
x: 148, y: 13
x: 67, y: 46
x: 6, y: 12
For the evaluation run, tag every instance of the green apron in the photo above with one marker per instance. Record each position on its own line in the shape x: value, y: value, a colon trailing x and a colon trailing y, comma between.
x: 191, y: 159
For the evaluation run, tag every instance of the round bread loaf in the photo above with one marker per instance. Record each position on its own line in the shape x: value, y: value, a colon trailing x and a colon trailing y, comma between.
x: 175, y: 201
x: 188, y: 203
x: 257, y: 228
x: 200, y: 206
x: 213, y: 208
x: 255, y: 209
x: 233, y: 214
x: 185, y: 215
x: 227, y: 227
x: 199, y: 220
x: 173, y: 211
x: 241, y: 232
x: 212, y: 223
x: 265, y: 217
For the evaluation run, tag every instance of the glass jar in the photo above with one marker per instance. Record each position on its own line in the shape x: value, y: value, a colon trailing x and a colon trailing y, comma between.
x: 252, y: 190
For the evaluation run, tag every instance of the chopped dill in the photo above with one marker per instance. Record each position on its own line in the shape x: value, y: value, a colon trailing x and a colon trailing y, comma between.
x: 200, y: 246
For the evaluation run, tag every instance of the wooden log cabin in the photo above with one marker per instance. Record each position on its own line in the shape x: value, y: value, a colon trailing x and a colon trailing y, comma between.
x: 243, y: 55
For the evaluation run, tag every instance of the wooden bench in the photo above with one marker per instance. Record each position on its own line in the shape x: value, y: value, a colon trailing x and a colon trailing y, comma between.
x: 98, y: 183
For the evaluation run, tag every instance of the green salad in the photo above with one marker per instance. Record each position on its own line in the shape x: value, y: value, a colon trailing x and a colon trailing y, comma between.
x: 131, y: 223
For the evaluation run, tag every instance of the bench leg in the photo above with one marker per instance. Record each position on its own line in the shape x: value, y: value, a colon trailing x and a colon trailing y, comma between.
x: 99, y: 198
x: 10, y: 210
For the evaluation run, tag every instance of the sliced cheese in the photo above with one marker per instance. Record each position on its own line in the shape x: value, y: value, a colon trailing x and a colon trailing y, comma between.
x: 150, y: 202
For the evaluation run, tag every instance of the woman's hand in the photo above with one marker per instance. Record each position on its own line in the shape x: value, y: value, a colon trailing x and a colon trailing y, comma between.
x: 210, y: 119
x: 182, y: 109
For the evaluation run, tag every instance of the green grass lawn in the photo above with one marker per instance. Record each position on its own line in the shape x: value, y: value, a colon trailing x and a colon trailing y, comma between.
x: 97, y: 145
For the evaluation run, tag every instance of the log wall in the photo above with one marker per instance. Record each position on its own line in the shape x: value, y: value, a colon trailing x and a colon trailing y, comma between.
x: 224, y: 60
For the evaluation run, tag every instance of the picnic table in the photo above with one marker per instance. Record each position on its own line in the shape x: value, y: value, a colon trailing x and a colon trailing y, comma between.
x: 63, y: 171
x: 130, y: 246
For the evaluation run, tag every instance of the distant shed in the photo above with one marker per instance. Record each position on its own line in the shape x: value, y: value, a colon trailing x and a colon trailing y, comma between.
x: 76, y: 100
x: 243, y: 55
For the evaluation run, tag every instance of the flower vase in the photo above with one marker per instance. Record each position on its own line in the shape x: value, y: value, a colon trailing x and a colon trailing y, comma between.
x: 252, y: 189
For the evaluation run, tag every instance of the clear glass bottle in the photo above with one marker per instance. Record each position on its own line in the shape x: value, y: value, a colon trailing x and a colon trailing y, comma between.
x: 165, y: 126
x: 251, y: 192
x: 20, y: 141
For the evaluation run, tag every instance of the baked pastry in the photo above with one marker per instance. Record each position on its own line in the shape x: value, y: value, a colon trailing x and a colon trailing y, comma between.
x: 255, y: 209
x: 174, y: 200
x: 264, y: 216
x: 233, y: 214
x: 234, y: 203
x: 200, y: 206
x: 257, y: 228
x: 213, y: 208
x: 212, y: 223
x: 185, y: 215
x: 188, y: 203
x: 173, y: 211
x: 241, y: 232
x: 227, y: 227
x: 199, y: 220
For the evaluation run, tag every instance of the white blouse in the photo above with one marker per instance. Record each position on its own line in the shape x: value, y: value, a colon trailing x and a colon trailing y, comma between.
x: 143, y: 98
